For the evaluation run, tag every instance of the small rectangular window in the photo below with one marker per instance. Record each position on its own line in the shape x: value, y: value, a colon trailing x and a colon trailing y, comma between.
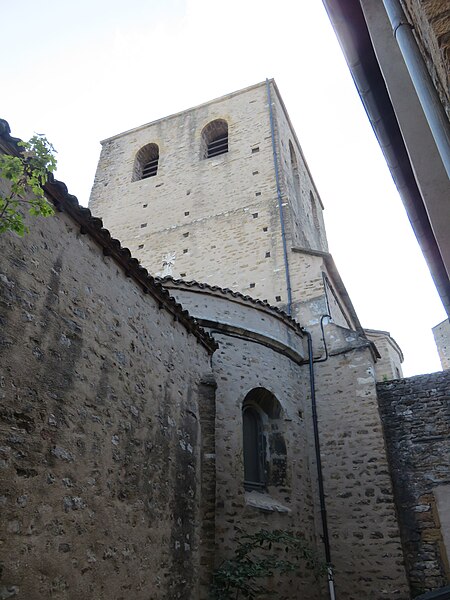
x: 264, y: 228
x: 186, y: 234
x: 278, y: 298
x: 144, y: 205
x: 257, y: 193
x: 186, y: 213
x: 185, y: 251
x: 143, y: 225
x: 267, y: 254
x: 140, y: 246
x: 252, y: 285
x: 255, y: 215
x: 255, y: 150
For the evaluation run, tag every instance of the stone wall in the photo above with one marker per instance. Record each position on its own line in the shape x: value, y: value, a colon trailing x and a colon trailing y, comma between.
x: 389, y: 366
x: 364, y: 536
x: 441, y: 334
x: 221, y: 215
x: 415, y: 413
x: 192, y: 202
x: 100, y: 427
x: 259, y: 348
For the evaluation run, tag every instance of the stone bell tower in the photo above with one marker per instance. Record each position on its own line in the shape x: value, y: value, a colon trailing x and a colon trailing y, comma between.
x: 225, y: 188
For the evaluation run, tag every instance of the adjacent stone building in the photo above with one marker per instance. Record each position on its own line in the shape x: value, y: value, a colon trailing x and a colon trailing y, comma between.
x: 415, y: 415
x: 237, y: 391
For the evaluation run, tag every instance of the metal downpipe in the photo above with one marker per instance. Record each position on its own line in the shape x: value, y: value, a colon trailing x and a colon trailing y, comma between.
x: 323, y: 510
x: 420, y: 77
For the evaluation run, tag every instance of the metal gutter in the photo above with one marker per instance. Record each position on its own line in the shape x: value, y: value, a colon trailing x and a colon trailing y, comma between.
x: 420, y: 77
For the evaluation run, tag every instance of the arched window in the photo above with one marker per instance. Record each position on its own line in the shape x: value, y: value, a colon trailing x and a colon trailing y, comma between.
x: 146, y: 162
x: 214, y: 139
x: 253, y: 448
x: 263, y: 444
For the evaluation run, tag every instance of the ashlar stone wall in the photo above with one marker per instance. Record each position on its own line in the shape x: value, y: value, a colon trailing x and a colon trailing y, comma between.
x: 100, y: 387
x: 220, y: 216
x: 416, y: 423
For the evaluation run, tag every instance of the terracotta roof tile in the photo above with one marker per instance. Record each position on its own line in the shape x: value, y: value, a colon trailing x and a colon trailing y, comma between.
x: 58, y: 194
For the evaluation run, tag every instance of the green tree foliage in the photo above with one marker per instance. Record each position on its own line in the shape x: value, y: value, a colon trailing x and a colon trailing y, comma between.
x: 26, y: 174
x: 259, y: 556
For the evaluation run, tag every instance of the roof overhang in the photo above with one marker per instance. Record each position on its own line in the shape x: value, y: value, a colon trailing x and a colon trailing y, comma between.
x: 349, y: 23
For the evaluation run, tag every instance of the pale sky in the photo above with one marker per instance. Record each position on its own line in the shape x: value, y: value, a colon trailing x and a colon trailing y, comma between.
x: 81, y: 72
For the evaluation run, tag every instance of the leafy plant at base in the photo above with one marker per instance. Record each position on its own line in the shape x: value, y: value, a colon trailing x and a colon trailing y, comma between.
x: 258, y: 556
x: 26, y: 174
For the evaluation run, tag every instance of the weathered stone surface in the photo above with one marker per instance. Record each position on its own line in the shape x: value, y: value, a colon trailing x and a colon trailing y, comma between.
x: 416, y: 420
x: 100, y: 428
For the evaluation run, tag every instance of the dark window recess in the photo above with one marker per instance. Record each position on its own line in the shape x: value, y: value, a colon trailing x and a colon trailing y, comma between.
x: 253, y: 449
x: 255, y: 215
x: 257, y: 193
x: 182, y: 274
x: 252, y: 285
x: 186, y: 234
x: 146, y: 162
x: 150, y: 168
x: 219, y: 146
x: 140, y: 246
x: 255, y: 150
x: 186, y: 214
x: 278, y: 298
x: 144, y: 205
x: 264, y: 228
x: 185, y: 251
x: 267, y: 254
x: 143, y: 225
x: 255, y: 173
x: 215, y: 139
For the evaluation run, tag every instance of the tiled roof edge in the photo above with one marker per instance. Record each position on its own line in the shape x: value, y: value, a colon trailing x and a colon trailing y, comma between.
x: 93, y: 226
x: 231, y: 293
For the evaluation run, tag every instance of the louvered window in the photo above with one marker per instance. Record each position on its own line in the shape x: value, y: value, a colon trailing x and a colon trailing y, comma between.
x: 216, y: 147
x: 146, y: 162
x: 150, y: 168
x: 214, y: 139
